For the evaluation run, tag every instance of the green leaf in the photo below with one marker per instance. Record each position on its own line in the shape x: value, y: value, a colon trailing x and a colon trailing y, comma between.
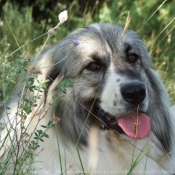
x: 66, y: 83
x: 43, y: 126
x: 45, y: 135
x: 36, y: 134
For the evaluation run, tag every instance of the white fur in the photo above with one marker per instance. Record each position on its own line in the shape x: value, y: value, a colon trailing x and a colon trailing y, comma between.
x: 111, y: 93
x: 111, y: 154
x: 112, y: 157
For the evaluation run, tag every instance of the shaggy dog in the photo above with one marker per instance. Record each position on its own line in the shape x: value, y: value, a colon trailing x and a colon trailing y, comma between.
x: 110, y: 110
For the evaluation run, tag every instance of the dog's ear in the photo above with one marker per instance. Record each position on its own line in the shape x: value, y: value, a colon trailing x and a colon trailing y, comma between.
x: 43, y: 78
x: 159, y: 110
x: 52, y: 66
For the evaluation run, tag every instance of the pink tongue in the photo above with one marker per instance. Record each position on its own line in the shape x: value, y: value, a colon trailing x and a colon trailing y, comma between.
x: 135, y: 126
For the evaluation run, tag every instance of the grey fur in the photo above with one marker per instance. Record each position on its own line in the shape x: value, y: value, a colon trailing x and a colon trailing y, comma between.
x: 106, y: 41
x: 103, y: 43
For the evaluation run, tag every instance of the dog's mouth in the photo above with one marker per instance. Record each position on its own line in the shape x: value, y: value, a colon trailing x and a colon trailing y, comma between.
x: 135, y: 124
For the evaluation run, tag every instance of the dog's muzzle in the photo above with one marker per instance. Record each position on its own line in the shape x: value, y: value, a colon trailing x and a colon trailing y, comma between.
x: 135, y: 124
x: 108, y: 121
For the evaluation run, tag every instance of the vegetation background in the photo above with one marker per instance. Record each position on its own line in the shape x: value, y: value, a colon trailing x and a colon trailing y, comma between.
x: 22, y: 22
x: 23, y: 33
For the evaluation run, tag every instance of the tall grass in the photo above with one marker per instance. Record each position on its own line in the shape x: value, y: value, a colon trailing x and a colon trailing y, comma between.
x: 22, y: 37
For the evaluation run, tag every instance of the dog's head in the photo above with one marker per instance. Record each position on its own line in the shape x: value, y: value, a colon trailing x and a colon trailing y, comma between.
x: 112, y: 83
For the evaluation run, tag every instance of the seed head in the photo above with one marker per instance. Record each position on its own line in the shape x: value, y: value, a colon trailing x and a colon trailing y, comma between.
x: 63, y: 16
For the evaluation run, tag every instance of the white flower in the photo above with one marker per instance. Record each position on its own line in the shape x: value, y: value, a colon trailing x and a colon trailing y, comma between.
x: 63, y: 16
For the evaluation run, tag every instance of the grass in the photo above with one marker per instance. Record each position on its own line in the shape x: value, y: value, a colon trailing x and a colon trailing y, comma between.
x: 22, y: 37
x: 154, y: 22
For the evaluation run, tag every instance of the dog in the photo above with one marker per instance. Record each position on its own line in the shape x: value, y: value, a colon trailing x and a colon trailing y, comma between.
x: 103, y: 108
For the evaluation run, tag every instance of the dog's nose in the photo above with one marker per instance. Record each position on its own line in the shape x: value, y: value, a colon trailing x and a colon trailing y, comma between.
x: 134, y: 93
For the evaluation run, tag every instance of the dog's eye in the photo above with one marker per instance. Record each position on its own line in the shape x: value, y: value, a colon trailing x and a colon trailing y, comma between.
x: 93, y: 66
x: 132, y: 58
